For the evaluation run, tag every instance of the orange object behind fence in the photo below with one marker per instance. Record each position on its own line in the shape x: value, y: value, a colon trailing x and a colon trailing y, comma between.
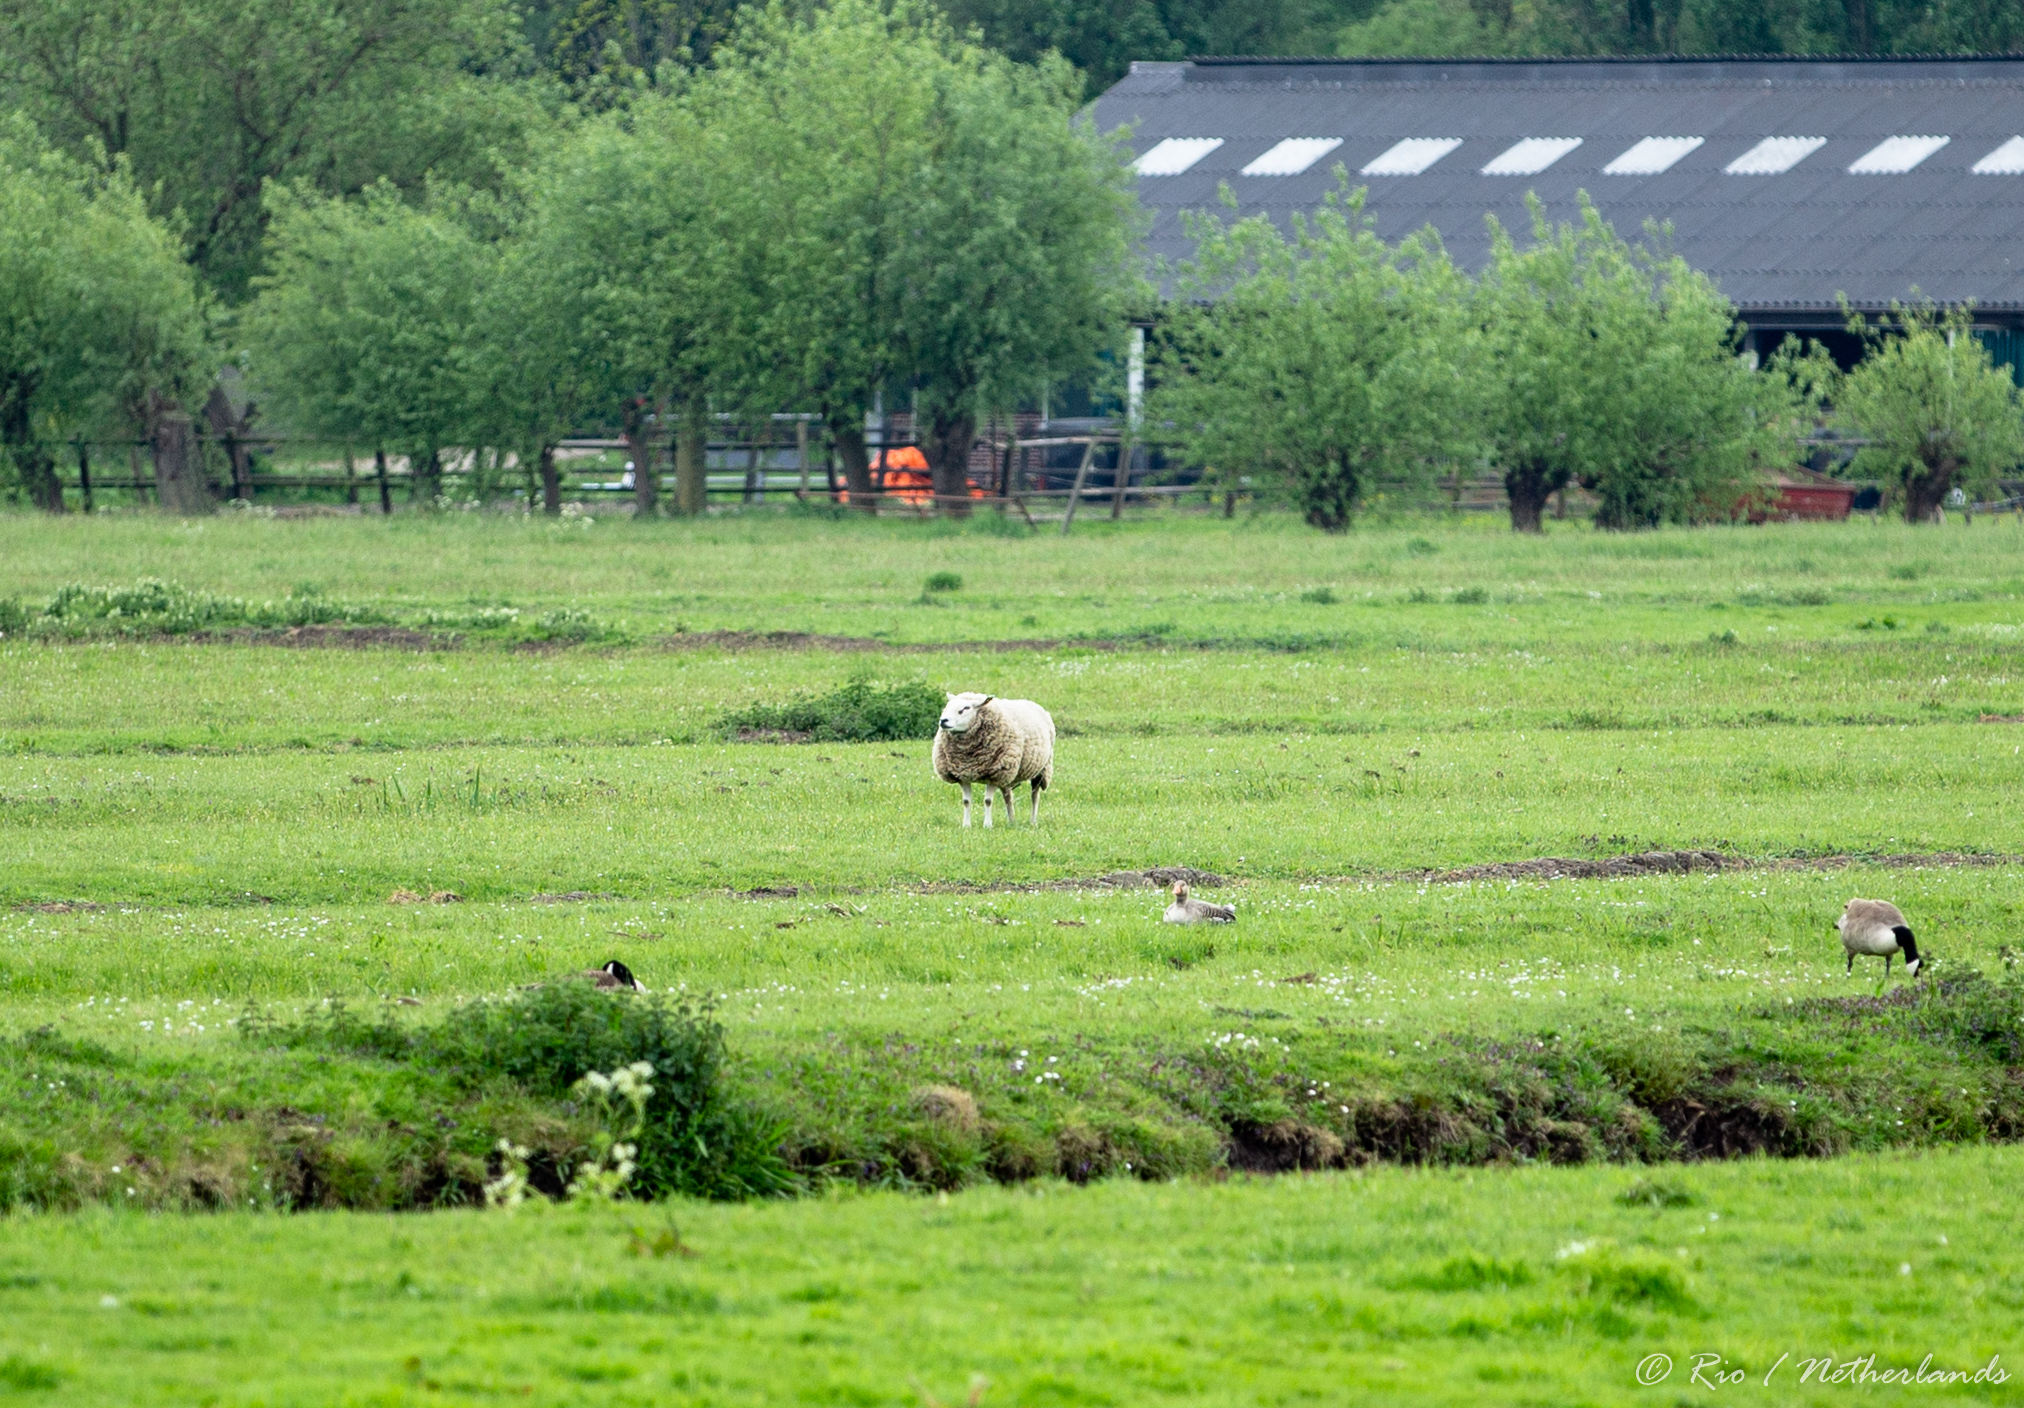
x: 903, y: 472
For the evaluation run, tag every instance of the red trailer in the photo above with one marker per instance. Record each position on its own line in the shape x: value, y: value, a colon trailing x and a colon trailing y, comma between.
x: 1803, y: 494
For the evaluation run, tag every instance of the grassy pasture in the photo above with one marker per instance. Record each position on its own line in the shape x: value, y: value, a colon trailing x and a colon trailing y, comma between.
x: 228, y: 819
x: 1185, y: 578
x: 1519, y: 1286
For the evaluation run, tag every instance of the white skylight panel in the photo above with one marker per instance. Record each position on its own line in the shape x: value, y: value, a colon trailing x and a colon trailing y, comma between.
x: 1774, y: 156
x: 1651, y: 156
x: 2006, y: 160
x: 1293, y: 156
x: 1175, y: 155
x: 1894, y: 156
x: 1412, y: 156
x: 1531, y: 156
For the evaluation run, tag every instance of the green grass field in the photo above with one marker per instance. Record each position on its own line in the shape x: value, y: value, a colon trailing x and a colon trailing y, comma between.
x: 200, y: 826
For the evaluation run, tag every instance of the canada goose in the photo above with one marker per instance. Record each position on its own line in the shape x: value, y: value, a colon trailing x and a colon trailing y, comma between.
x: 1189, y: 911
x: 1878, y: 928
x: 612, y: 976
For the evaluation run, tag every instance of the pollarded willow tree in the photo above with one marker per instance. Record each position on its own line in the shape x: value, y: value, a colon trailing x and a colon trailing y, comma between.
x: 1936, y: 411
x: 1327, y: 358
x: 102, y: 327
x: 1019, y: 266
x: 817, y: 126
x: 1616, y: 367
x: 358, y: 333
x: 564, y: 332
x: 894, y: 208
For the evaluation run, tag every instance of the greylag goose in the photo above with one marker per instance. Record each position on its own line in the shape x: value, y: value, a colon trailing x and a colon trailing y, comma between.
x: 1192, y: 911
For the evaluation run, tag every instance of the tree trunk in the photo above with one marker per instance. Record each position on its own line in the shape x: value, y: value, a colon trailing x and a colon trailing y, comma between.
x: 1926, y: 491
x: 425, y: 477
x: 850, y: 449
x: 1529, y: 486
x: 692, y: 459
x: 948, y: 451
x: 37, y: 468
x: 179, y: 479
x: 379, y: 469
x: 637, y: 428
x: 32, y: 461
x: 551, y: 484
x: 229, y: 427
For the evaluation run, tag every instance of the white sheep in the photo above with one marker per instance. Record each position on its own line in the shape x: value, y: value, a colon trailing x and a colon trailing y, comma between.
x: 998, y: 742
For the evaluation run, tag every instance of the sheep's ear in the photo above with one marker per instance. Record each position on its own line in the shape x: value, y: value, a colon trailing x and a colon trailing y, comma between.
x: 986, y: 700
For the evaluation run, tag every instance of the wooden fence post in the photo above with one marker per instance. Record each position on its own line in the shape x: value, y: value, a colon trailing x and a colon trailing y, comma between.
x: 1081, y: 478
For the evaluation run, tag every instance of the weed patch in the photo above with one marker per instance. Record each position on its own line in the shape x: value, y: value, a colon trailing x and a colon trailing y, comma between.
x: 862, y: 711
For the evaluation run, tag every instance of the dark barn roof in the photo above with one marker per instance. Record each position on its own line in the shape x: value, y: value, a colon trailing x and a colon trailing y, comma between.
x: 1788, y: 180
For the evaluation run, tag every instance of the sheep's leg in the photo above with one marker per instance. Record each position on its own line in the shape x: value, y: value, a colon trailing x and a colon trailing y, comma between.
x: 1036, y: 803
x: 1011, y: 814
x: 1851, y: 963
x: 988, y: 790
x: 966, y: 812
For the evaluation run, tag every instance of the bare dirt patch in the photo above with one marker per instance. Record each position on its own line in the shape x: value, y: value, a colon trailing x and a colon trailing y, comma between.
x: 808, y: 640
x: 330, y: 638
x: 1158, y: 878
x: 1606, y: 868
x: 1687, y: 862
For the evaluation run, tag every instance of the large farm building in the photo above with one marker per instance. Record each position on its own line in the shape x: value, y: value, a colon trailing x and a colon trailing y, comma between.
x: 1793, y: 182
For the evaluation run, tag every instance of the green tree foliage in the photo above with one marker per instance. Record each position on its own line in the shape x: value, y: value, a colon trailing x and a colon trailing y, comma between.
x: 1019, y: 261
x: 356, y: 334
x: 100, y: 319
x: 1573, y: 27
x: 211, y: 100
x: 1615, y: 367
x: 607, y: 52
x: 601, y: 304
x: 820, y: 126
x: 1935, y: 410
x: 1328, y: 360
x: 885, y: 200
x: 1104, y: 38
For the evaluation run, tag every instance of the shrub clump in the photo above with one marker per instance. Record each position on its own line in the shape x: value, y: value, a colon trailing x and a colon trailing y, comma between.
x: 695, y: 1139
x: 862, y: 711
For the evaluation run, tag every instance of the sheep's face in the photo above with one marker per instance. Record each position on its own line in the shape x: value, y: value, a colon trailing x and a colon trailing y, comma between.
x: 961, y: 713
